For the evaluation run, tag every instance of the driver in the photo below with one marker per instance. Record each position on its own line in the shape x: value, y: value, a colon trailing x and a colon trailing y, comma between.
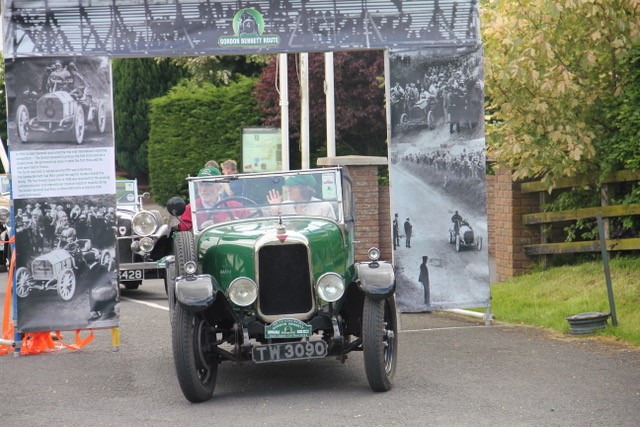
x: 208, y: 198
x: 456, y: 219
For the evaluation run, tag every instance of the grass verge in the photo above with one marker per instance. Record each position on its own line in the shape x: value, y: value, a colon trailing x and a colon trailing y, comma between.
x: 545, y: 298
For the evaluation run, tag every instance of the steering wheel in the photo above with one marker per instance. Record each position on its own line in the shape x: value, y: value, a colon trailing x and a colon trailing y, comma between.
x: 244, y: 202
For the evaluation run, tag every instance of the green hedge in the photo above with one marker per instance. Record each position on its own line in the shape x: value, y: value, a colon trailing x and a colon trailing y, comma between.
x: 193, y: 124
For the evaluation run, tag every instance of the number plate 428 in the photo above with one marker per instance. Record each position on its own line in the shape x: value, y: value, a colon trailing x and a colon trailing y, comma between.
x: 131, y: 275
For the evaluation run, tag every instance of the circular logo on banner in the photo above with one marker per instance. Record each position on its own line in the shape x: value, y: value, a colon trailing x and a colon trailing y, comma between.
x: 248, y: 22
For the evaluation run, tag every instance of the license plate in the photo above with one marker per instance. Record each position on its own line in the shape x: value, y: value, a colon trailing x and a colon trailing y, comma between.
x: 126, y: 275
x: 289, y: 351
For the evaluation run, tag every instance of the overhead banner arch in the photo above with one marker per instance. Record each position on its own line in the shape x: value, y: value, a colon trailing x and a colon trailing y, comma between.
x: 82, y: 35
x: 196, y: 27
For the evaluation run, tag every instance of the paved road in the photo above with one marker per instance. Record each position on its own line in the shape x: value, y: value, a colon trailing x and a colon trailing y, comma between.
x: 452, y: 371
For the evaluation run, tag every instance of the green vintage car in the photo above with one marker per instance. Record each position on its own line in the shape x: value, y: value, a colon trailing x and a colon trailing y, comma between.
x: 268, y: 275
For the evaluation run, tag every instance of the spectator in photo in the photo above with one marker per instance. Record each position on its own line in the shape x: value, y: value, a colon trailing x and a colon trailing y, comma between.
x: 423, y: 278
x: 408, y: 229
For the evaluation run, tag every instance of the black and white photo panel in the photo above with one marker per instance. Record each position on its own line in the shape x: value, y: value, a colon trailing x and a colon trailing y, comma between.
x: 437, y: 175
x: 66, y: 266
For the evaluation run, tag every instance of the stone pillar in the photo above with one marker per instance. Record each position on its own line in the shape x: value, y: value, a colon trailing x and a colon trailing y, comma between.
x: 372, y: 208
x: 507, y: 234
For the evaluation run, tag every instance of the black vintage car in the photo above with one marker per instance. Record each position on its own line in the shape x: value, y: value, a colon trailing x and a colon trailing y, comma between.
x: 267, y: 278
x: 143, y: 237
x: 62, y: 104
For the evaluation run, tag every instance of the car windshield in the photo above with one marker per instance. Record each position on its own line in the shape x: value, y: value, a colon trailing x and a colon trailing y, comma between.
x: 309, y: 193
x: 127, y: 194
x: 4, y: 185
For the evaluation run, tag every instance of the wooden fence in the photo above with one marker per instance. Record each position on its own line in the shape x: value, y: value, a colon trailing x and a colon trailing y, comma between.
x: 546, y: 219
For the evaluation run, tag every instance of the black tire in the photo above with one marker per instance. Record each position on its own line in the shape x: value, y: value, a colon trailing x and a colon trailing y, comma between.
x: 197, y: 372
x: 184, y: 249
x: 133, y: 285
x: 380, y: 342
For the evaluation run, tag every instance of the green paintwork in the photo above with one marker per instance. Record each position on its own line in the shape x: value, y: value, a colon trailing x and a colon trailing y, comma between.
x: 226, y: 251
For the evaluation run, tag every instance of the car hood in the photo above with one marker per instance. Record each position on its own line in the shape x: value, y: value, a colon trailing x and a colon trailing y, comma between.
x: 228, y: 251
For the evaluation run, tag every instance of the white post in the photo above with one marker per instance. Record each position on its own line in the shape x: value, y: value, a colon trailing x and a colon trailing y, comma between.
x: 284, y: 109
x: 331, y: 108
x: 304, y: 110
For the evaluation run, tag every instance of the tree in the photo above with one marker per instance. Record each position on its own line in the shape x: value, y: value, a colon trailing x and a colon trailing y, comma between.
x: 359, y: 98
x: 221, y: 69
x: 192, y: 124
x: 135, y: 82
x: 549, y: 66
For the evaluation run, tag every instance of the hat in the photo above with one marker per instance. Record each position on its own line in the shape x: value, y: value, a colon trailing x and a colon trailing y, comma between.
x: 209, y: 171
x: 307, y: 180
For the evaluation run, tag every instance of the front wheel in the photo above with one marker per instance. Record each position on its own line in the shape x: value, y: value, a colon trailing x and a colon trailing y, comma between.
x: 22, y: 122
x: 101, y: 117
x: 66, y: 285
x: 78, y: 125
x: 479, y: 243
x: 197, y: 368
x: 23, y: 282
x: 458, y: 244
x: 380, y: 341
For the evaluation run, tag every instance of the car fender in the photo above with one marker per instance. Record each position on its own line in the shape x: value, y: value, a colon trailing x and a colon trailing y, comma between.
x: 376, y: 279
x: 196, y: 292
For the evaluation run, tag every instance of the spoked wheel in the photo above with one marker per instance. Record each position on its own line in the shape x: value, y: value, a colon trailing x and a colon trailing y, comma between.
x: 22, y: 120
x: 457, y: 244
x: 431, y: 123
x: 196, y: 367
x: 66, y: 285
x: 101, y: 117
x: 479, y: 243
x: 380, y: 341
x: 78, y: 125
x: 22, y: 282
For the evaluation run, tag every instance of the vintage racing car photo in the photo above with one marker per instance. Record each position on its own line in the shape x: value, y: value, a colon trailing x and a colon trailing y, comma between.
x: 270, y: 277
x: 60, y: 269
x: 64, y: 103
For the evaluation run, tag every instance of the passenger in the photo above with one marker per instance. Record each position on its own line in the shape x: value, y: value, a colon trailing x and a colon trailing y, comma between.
x: 208, y: 197
x: 235, y: 187
x: 301, y: 199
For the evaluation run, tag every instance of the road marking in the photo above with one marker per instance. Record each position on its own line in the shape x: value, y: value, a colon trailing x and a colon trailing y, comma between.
x: 150, y: 304
x: 441, y: 329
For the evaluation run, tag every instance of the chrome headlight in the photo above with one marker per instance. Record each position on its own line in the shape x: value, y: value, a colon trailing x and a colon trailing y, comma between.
x: 144, y: 223
x: 243, y: 291
x: 146, y: 244
x: 374, y: 254
x: 330, y: 287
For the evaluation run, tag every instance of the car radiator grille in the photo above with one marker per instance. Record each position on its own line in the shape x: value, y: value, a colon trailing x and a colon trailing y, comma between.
x: 285, y: 285
x: 125, y: 254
